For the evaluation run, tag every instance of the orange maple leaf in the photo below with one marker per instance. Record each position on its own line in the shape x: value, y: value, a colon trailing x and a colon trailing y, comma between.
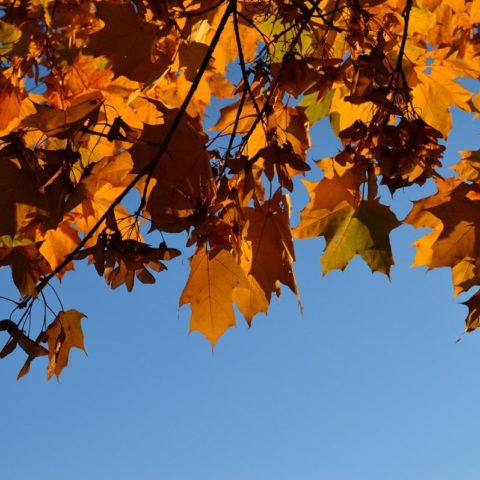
x: 62, y: 335
x: 213, y: 278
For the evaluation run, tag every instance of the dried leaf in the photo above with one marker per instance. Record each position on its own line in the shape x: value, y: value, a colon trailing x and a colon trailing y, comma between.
x: 62, y: 335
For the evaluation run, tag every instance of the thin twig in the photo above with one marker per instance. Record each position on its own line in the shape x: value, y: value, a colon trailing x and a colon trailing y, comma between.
x: 401, y: 51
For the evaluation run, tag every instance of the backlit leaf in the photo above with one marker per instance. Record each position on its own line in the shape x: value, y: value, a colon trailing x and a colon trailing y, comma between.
x: 213, y: 278
x: 62, y: 335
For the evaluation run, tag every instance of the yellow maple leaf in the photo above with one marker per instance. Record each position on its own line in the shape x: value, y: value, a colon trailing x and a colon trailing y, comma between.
x: 465, y: 274
x: 209, y: 290
x: 468, y: 168
x: 63, y: 123
x: 59, y: 243
x: 28, y: 267
x: 344, y: 113
x: 434, y: 94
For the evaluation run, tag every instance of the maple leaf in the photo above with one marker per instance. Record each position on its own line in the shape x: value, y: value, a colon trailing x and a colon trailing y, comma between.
x: 350, y: 225
x: 283, y: 162
x: 97, y: 191
x: 285, y: 126
x: 329, y: 197
x: 343, y: 113
x: 269, y: 253
x: 128, y: 42
x: 364, y: 231
x: 468, y: 168
x: 9, y: 36
x: 62, y: 124
x: 22, y: 202
x: 247, y: 179
x: 62, y: 335
x: 181, y: 178
x: 465, y: 274
x: 453, y: 214
x: 209, y: 289
x: 250, y: 37
x: 434, y: 94
x: 14, y: 106
x: 86, y: 74
x: 59, y: 243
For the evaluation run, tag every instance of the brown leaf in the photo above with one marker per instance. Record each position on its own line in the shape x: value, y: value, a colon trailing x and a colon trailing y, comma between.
x: 472, y: 321
x: 127, y: 41
x: 14, y: 106
x: 182, y: 178
x: 453, y: 213
x: 268, y: 252
x: 22, y: 201
x: 28, y: 267
x: 62, y: 335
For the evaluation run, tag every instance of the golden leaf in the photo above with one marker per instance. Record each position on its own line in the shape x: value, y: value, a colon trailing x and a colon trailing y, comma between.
x: 453, y: 213
x: 63, y: 123
x: 58, y: 244
x: 209, y: 290
x: 434, y: 94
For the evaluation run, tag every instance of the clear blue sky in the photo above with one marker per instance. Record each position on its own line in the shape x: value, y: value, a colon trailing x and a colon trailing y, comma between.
x: 367, y: 384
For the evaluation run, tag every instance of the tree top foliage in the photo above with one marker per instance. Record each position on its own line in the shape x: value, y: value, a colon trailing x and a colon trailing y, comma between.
x: 100, y: 99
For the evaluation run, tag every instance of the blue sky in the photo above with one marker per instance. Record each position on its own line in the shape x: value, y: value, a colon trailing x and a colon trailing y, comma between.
x: 367, y: 384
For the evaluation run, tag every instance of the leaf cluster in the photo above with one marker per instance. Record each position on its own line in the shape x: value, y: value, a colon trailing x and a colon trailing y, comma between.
x: 102, y: 100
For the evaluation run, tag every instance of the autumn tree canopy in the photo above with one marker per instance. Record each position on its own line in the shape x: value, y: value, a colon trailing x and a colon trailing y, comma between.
x: 103, y: 143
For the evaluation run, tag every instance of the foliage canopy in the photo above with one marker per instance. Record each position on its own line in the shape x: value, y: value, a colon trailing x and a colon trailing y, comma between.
x: 99, y: 99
